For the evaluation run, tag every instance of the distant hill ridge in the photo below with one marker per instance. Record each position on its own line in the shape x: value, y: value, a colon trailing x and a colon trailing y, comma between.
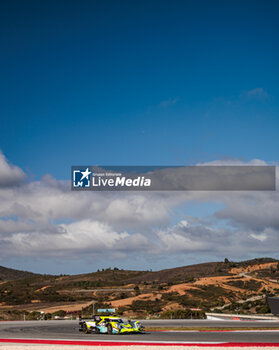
x: 166, y: 275
x: 7, y: 274
x: 197, y: 270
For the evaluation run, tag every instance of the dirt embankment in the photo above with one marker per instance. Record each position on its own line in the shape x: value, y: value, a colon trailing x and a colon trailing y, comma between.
x: 129, y: 301
x: 252, y: 268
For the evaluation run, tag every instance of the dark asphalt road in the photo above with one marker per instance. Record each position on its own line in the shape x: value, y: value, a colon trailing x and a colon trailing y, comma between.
x: 68, y: 330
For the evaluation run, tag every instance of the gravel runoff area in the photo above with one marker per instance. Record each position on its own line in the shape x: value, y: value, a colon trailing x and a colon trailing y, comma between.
x: 137, y: 347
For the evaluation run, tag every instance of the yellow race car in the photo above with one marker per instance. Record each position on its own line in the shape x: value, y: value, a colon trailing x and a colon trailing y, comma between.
x: 110, y: 325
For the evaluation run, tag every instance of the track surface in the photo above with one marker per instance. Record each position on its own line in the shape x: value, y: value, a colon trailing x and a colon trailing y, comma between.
x: 69, y: 330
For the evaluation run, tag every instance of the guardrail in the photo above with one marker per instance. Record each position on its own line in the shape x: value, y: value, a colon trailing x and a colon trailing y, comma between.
x: 215, y: 316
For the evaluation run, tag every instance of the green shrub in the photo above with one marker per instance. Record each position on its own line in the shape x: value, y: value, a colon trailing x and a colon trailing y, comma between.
x: 183, y: 314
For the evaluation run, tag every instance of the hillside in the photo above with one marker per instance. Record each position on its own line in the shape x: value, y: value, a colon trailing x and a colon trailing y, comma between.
x: 214, y: 286
x: 181, y: 274
x: 7, y: 274
x: 186, y: 273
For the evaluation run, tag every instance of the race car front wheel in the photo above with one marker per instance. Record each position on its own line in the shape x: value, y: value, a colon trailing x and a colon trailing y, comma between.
x: 85, y: 329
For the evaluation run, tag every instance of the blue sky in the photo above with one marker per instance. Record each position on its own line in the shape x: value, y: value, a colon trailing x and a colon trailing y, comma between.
x: 135, y: 83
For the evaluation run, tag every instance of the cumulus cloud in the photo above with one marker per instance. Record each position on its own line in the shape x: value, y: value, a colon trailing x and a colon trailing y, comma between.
x: 81, y: 237
x: 184, y: 237
x: 10, y: 175
x: 46, y: 218
x: 10, y: 226
x: 210, y: 240
x: 253, y: 211
x: 234, y: 162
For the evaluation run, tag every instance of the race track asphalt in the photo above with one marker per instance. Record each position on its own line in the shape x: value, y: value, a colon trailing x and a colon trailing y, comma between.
x: 68, y: 330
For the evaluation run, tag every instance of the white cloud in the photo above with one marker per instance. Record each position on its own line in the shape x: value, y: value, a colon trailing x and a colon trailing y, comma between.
x: 10, y: 175
x: 170, y: 102
x: 234, y: 162
x: 81, y: 237
x: 10, y: 226
x: 261, y: 237
x: 45, y: 218
x: 257, y: 93
x: 189, y: 238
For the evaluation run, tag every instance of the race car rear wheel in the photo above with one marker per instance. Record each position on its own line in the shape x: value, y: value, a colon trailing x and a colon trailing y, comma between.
x: 109, y: 328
